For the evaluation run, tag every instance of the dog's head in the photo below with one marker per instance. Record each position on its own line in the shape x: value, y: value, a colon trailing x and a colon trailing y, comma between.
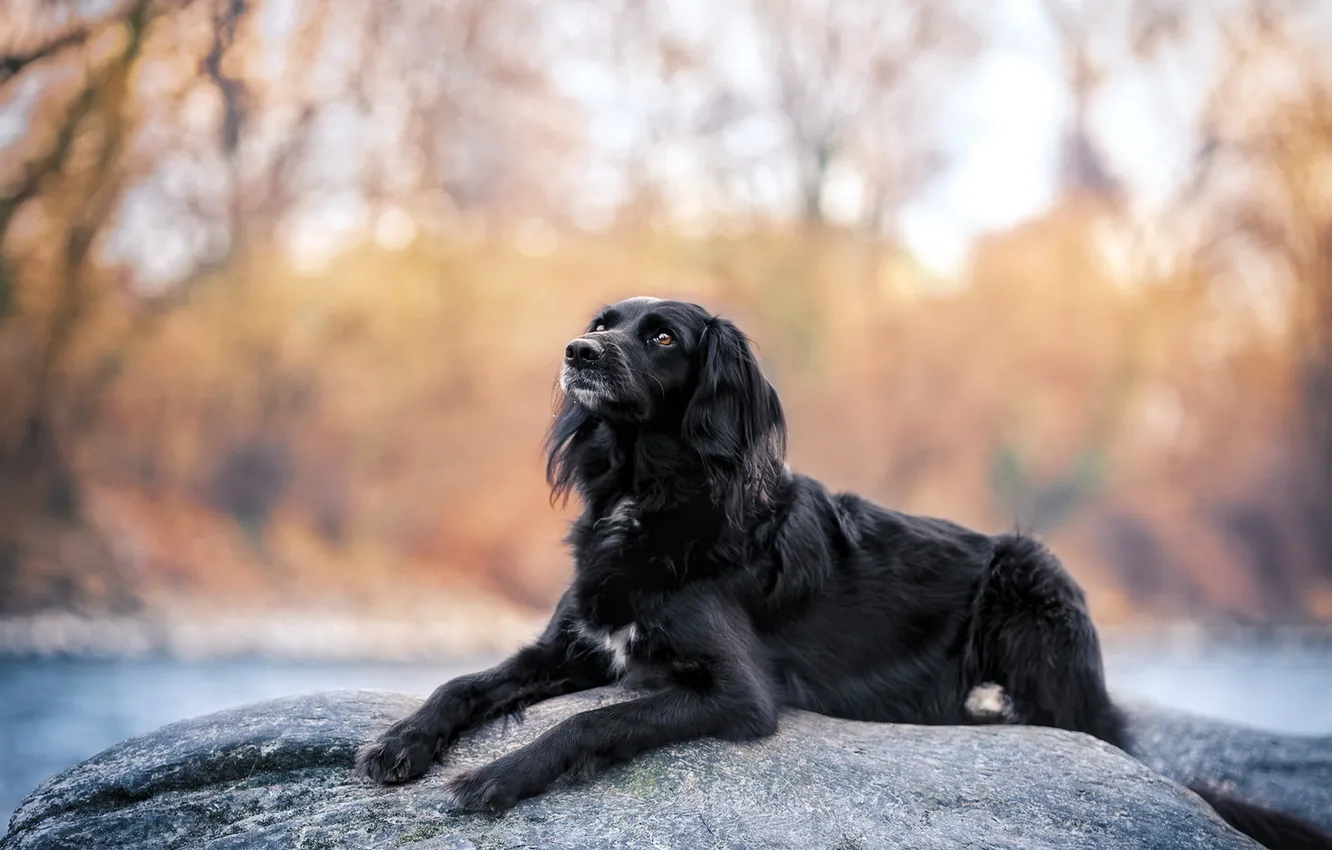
x: 671, y: 367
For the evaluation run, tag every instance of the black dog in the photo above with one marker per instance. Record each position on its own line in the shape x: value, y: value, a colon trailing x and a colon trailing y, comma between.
x: 708, y: 572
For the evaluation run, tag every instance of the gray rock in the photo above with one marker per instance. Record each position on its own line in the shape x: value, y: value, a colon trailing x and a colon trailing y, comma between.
x: 1291, y: 773
x: 277, y: 775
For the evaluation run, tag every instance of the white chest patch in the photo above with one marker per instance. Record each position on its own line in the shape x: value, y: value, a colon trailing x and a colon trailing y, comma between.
x: 615, y: 644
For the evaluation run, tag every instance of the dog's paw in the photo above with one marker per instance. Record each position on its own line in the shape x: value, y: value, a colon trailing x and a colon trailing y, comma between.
x: 491, y: 788
x: 400, y: 754
x: 989, y: 702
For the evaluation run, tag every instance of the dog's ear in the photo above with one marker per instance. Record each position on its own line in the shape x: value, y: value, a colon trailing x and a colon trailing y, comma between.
x: 734, y: 419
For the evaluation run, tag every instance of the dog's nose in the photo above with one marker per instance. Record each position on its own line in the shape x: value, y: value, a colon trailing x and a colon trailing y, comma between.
x: 582, y: 351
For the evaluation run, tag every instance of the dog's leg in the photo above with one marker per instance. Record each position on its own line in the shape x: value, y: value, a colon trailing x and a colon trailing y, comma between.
x: 550, y: 667
x: 1042, y: 647
x: 719, y: 690
x: 603, y: 737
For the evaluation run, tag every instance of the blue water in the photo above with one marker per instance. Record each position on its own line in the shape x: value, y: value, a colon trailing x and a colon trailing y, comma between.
x: 54, y: 714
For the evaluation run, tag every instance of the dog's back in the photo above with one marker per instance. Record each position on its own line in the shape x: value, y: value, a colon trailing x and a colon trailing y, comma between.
x: 867, y: 613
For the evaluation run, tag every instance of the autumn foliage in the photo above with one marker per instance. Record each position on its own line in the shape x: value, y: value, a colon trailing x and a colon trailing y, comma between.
x: 364, y: 433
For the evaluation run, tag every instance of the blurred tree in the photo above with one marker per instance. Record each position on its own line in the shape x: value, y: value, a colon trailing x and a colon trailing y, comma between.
x: 760, y: 108
x: 853, y: 83
x: 1099, y: 43
x: 158, y: 141
x: 1262, y: 184
x: 251, y: 252
x: 1242, y: 227
x: 91, y: 133
x: 1041, y: 506
x: 74, y: 173
x: 1083, y: 170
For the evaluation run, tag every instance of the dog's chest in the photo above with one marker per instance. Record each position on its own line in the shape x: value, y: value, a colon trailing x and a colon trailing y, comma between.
x: 616, y: 643
x: 629, y: 561
x: 628, y: 548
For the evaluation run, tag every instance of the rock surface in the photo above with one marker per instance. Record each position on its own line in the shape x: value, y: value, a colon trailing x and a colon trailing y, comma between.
x: 277, y: 775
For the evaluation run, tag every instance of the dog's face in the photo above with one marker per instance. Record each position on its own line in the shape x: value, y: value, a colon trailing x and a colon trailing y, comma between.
x: 638, y: 360
x: 675, y: 369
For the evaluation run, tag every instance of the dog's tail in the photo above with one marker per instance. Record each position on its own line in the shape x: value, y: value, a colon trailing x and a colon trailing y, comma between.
x: 1274, y: 830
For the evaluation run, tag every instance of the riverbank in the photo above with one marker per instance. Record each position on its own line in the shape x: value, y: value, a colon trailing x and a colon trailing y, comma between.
x: 453, y: 628
x: 456, y: 627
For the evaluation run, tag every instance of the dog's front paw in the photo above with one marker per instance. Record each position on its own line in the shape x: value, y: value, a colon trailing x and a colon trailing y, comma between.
x: 403, y: 752
x: 495, y: 787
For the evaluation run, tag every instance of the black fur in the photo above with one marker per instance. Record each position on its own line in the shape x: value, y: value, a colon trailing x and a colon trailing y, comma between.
x: 733, y: 588
x: 1271, y: 829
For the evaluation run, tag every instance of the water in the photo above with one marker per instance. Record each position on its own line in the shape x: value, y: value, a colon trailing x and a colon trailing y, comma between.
x: 1287, y: 689
x: 54, y: 714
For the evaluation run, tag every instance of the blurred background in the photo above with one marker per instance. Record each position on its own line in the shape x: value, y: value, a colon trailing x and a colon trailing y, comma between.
x: 284, y: 286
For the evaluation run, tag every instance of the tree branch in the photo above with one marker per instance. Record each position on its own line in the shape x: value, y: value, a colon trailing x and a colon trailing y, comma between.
x: 13, y: 63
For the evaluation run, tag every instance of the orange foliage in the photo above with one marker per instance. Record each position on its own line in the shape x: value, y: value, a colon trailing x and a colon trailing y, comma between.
x: 371, y: 434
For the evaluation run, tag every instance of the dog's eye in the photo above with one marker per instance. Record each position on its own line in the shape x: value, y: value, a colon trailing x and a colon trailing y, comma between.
x: 664, y: 338
x: 599, y: 328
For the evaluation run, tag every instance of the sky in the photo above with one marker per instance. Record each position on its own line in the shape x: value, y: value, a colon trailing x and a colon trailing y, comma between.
x: 1003, y: 167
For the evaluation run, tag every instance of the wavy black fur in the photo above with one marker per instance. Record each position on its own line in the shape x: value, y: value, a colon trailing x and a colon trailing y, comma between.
x: 732, y: 588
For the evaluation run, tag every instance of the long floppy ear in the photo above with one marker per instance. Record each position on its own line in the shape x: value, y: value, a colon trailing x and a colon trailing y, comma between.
x: 735, y: 421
